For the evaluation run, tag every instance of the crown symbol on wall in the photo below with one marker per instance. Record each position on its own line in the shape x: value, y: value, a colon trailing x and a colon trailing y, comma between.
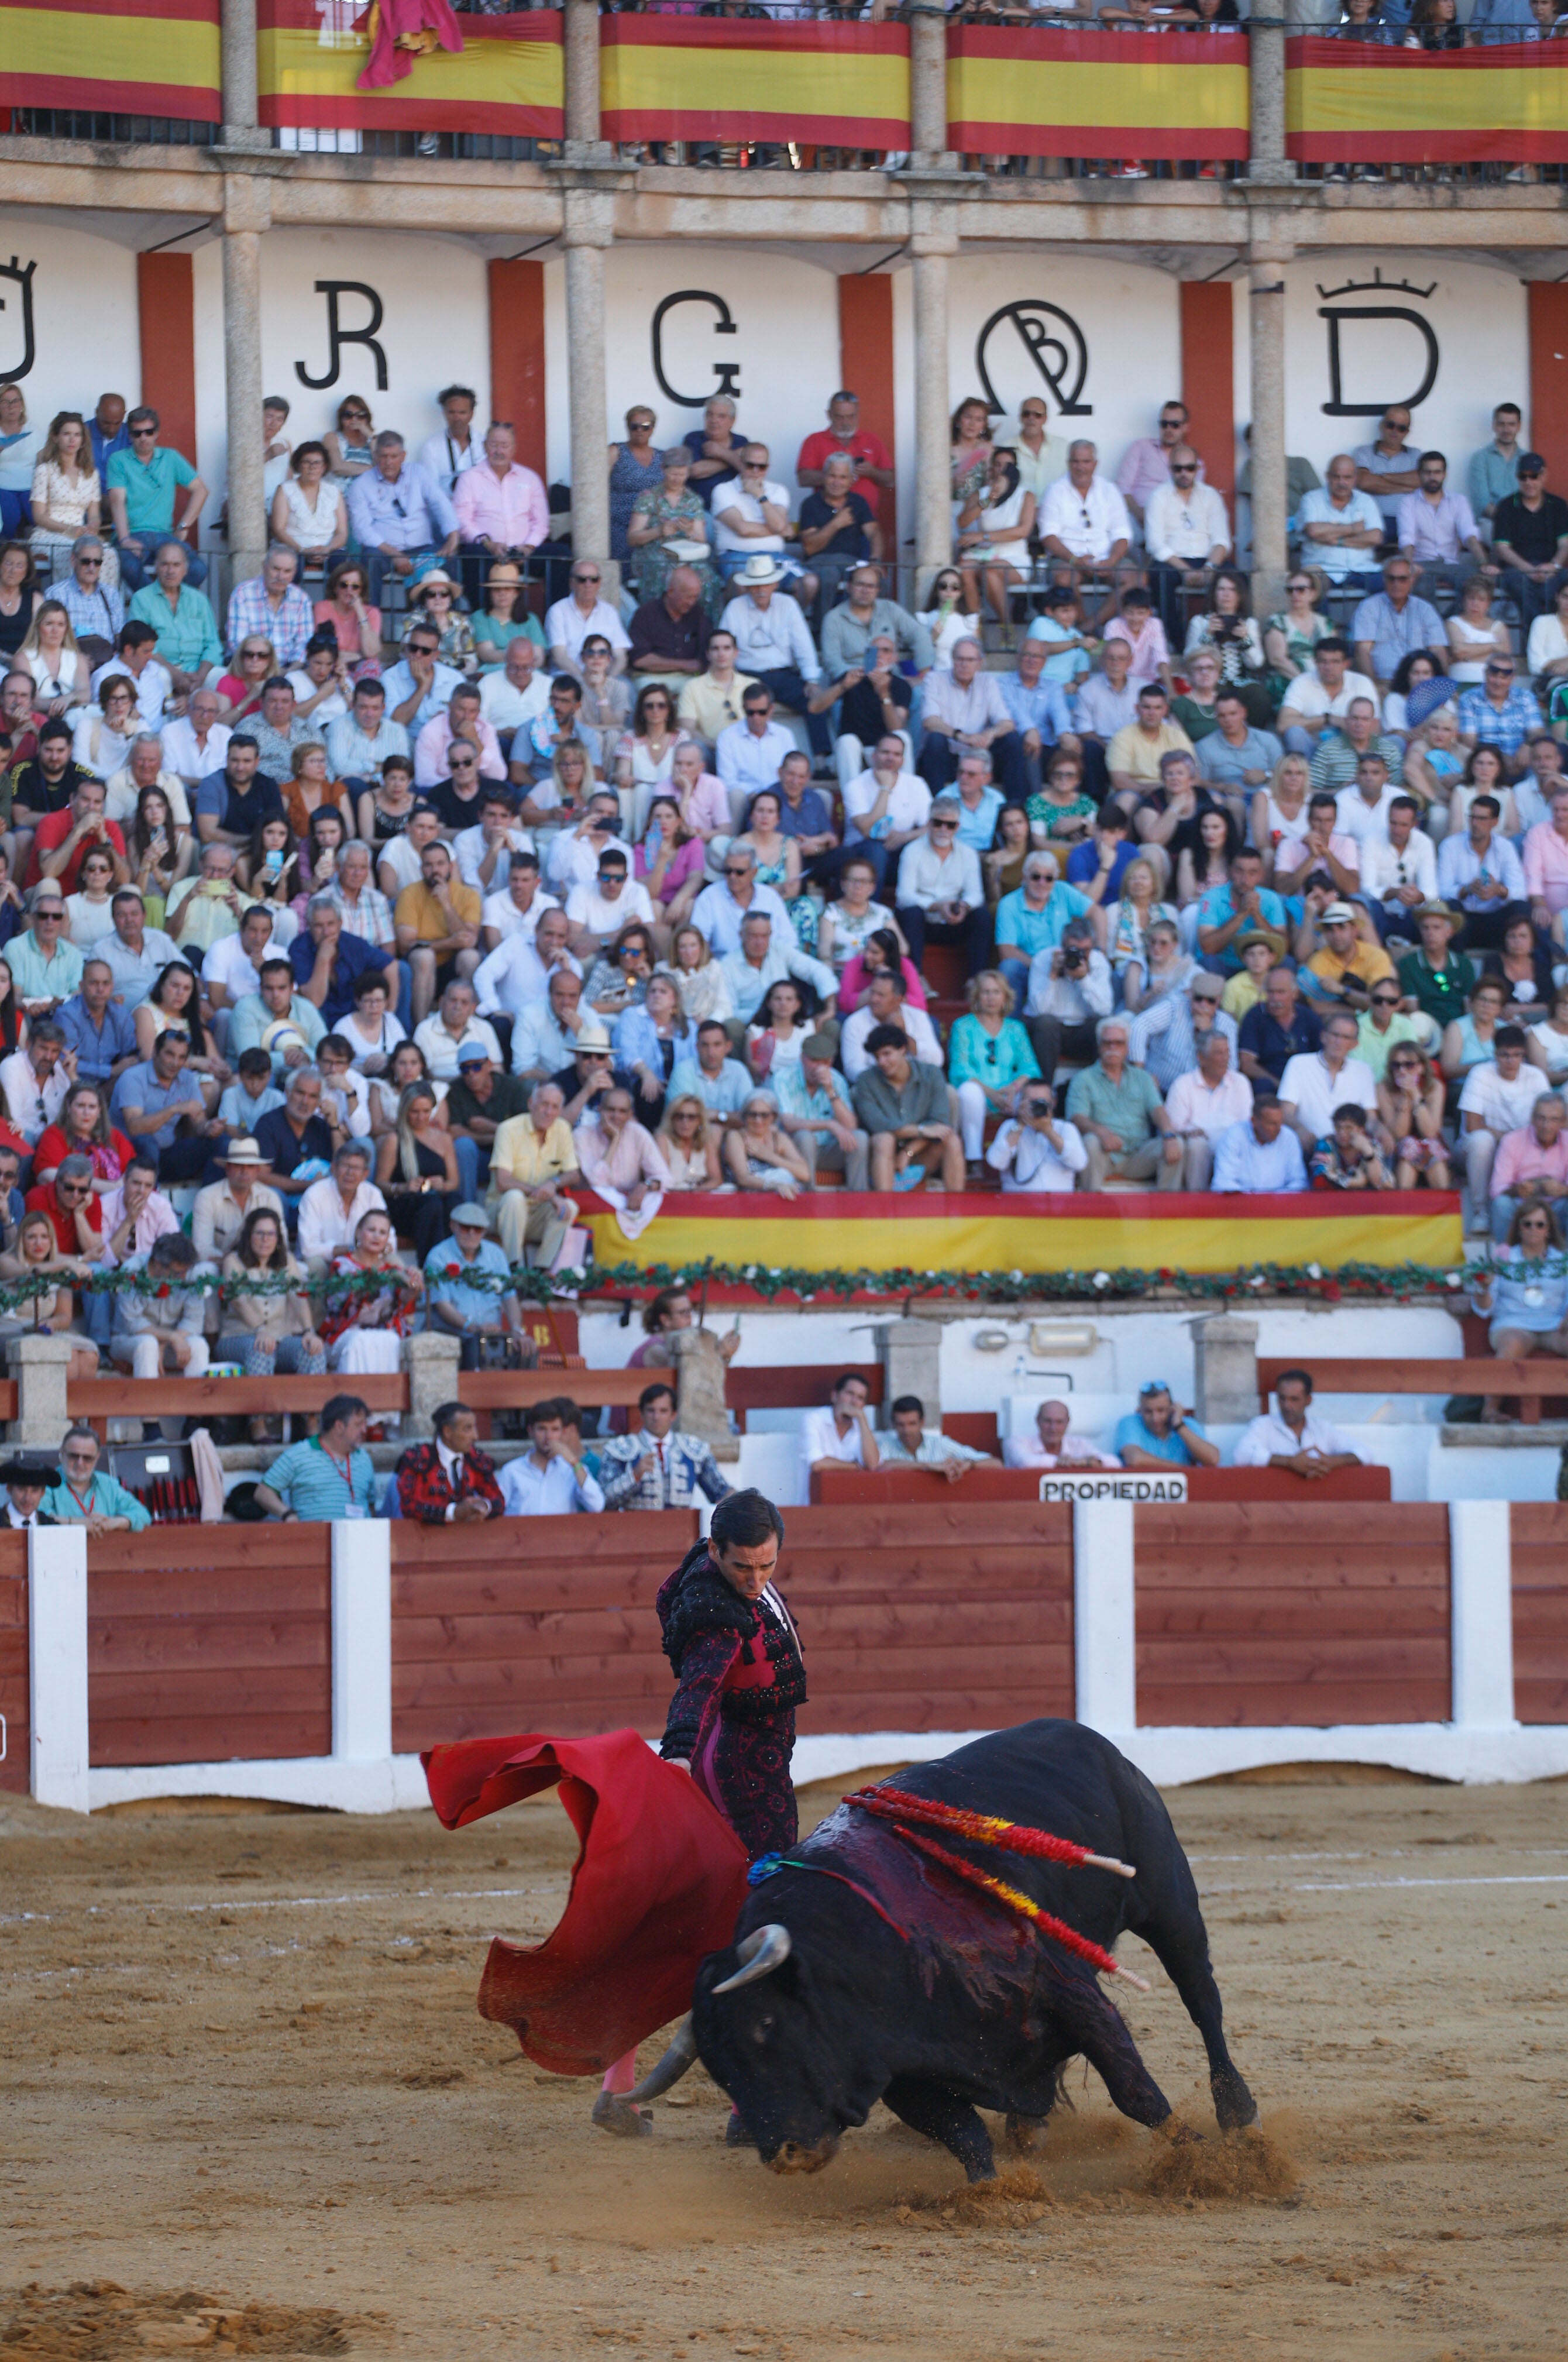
x: 1377, y: 284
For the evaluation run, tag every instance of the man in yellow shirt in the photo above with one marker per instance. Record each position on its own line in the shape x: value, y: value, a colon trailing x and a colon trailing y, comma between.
x: 1343, y: 971
x: 1133, y: 757
x: 532, y: 1155
x: 437, y: 924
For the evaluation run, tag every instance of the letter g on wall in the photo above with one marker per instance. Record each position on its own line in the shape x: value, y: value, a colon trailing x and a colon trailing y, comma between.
x: 726, y: 372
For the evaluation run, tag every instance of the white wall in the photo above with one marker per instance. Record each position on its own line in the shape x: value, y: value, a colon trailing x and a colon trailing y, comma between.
x: 84, y: 317
x: 1127, y: 314
x: 1478, y: 314
x: 785, y: 346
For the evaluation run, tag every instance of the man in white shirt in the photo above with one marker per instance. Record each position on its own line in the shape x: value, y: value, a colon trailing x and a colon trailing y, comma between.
x: 134, y: 659
x: 913, y: 1444
x: 720, y: 908
x: 398, y: 864
x: 146, y: 766
x: 1055, y: 1445
x: 1324, y: 693
x: 761, y: 962
x: 1362, y: 808
x: 1314, y: 1082
x: 1293, y: 1436
x: 574, y: 852
x: 885, y: 1005
x: 1203, y: 1104
x: 518, y: 971
x: 449, y: 1028
x: 774, y: 644
x: 518, y: 693
x: 1082, y: 521
x: 1398, y: 872
x: 1342, y: 528
x: 1186, y: 535
x: 597, y: 910
x: 546, y: 1482
x: 197, y: 743
x: 940, y: 897
x: 518, y: 908
x: 749, y: 754
x: 483, y: 853
x: 571, y: 620
x: 231, y: 967
x: 751, y: 517
x: 1037, y: 1150
x: 452, y: 452
x: 840, y: 1435
x: 36, y: 1079
x: 331, y: 1209
x: 886, y: 808
x: 1498, y: 1097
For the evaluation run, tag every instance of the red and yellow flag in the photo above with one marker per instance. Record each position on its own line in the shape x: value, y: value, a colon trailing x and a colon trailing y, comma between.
x: 1058, y: 93
x: 724, y: 78
x: 508, y: 79
x: 1350, y: 104
x: 113, y: 57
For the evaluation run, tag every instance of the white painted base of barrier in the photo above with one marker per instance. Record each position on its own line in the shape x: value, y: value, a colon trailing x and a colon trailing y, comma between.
x: 1172, y: 1759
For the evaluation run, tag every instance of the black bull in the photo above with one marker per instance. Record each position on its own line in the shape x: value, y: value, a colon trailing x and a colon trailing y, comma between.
x: 960, y: 2005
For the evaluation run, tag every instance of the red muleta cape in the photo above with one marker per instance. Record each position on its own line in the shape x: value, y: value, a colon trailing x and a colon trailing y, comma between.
x: 399, y: 31
x: 657, y: 1882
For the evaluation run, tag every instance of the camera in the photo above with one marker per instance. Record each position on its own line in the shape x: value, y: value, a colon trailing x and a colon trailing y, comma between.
x: 1074, y: 957
x: 1037, y: 1110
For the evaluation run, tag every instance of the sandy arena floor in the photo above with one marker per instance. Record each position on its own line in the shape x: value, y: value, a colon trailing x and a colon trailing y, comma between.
x: 250, y: 2109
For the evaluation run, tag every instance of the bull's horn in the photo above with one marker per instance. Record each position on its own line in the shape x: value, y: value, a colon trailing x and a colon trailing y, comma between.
x: 681, y: 2054
x: 765, y: 1950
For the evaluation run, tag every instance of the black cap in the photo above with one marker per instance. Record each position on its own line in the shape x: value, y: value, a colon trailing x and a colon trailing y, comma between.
x: 21, y: 1470
x: 1531, y: 464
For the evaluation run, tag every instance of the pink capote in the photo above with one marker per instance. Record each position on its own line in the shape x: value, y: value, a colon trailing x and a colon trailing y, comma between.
x: 658, y: 1881
x: 392, y: 21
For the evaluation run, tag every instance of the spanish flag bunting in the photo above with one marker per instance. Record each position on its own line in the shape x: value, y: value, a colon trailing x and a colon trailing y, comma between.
x: 697, y: 78
x: 1059, y: 93
x: 115, y: 57
x: 508, y: 78
x: 1357, y: 103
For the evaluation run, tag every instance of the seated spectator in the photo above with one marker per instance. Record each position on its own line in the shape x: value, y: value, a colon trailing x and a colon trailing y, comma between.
x: 329, y: 1475
x: 1034, y: 918
x: 966, y: 708
x: 276, y: 1018
x: 1239, y: 907
x: 1342, y: 527
x: 1260, y: 950
x: 35, y: 1080
x: 851, y: 632
x: 1499, y: 1096
x: 437, y: 925
x: 709, y: 704
x: 1501, y: 712
x: 1136, y: 623
x: 1385, y: 1028
x: 1398, y: 871
x: 1162, y: 967
x: 1070, y: 990
x: 159, y: 1328
x: 1293, y: 1436
x: 1436, y: 528
x: 161, y: 1108
x: 1530, y: 1166
x: 840, y: 1435
x: 1054, y: 1445
x: 914, y: 1445
x: 533, y: 1159
x: 1260, y: 1156
x: 1361, y: 770
x: 1480, y: 870
x: 1437, y: 980
x: 838, y: 525
x: 1168, y: 1035
x: 358, y: 744
x: 1314, y: 1084
x: 1234, y: 756
x: 995, y: 525
x: 1343, y: 968
x: 751, y: 520
x: 87, y: 1495
x: 1524, y: 1293
x: 1410, y: 1111
x: 885, y: 1005
x: 620, y: 1162
x: 1083, y: 522
x: 272, y: 606
x: 1118, y: 1109
x: 1205, y: 1103
x: 1348, y: 1156
x: 34, y: 1258
x: 331, y: 1209
x: 1134, y: 759
x: 1035, y: 1149
x: 223, y: 1207
x: 45, y: 964
x: 26, y: 1482
x: 1471, y: 1040
x: 1160, y: 1434
x: 449, y: 1481
x: 269, y: 1333
x: 1063, y: 814
x: 904, y: 1105
x: 550, y: 1479
x: 690, y: 1145
x: 233, y: 803
x: 98, y: 1030
x: 940, y: 897
x: 1545, y: 861
x: 815, y: 1113
x: 1203, y: 868
x: 417, y: 1172
x: 500, y: 509
x: 758, y: 1153
x: 1316, y: 700
x: 750, y: 753
x: 364, y: 1332
x: 661, y: 1467
x: 774, y: 646
x: 181, y: 618
x: 990, y: 1059
x: 104, y: 733
x: 399, y: 514
x: 1185, y: 533
x: 1391, y: 623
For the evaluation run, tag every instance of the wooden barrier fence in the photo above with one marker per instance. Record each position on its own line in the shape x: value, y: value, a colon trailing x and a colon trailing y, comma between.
x: 209, y: 1641
x: 1326, y: 1615
x: 1541, y: 1611
x: 1222, y: 1632
x: 1533, y: 1382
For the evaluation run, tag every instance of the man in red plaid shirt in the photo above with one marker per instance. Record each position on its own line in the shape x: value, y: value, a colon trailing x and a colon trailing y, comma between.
x: 449, y: 1481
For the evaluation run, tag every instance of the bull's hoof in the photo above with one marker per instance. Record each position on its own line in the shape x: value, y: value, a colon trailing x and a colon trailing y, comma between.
x: 1179, y: 2134
x: 1233, y: 2103
x: 979, y: 2170
x: 1026, y: 2134
x: 736, y: 2133
x: 614, y: 2115
x: 792, y: 2158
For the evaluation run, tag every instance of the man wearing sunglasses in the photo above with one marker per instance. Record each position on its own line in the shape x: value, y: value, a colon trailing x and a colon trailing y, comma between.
x: 578, y: 618
x: 1500, y: 711
x: 94, y: 605
x: 597, y: 911
x: 1186, y: 532
x: 940, y: 897
x: 1342, y: 526
x: 1384, y: 1026
x: 1387, y: 467
x: 142, y: 485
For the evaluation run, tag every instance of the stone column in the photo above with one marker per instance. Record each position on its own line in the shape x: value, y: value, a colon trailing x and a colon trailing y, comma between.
x: 239, y: 108
x: 39, y: 1365
x: 910, y: 1355
x: 247, y: 211
x: 1225, y: 1388
x: 928, y: 85
x: 432, y: 1364
x: 588, y: 230
x: 930, y: 249
x: 581, y: 73
x: 1267, y: 258
x: 1267, y: 161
